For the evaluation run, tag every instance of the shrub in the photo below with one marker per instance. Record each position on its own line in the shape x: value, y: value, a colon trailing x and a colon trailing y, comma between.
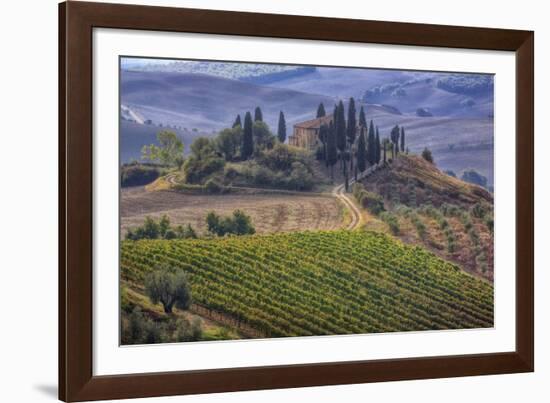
x: 168, y: 287
x: 238, y: 224
x: 391, y: 220
x: 140, y: 329
x: 427, y: 155
x: 138, y: 174
x: 152, y: 229
x: 478, y: 210
x: 419, y: 225
x: 188, y: 330
x: 373, y: 202
x: 212, y: 186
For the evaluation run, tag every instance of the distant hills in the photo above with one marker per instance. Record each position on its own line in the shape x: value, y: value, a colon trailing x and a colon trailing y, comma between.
x: 200, y: 98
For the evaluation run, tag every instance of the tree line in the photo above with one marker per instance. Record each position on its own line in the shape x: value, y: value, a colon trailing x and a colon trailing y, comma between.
x: 354, y: 143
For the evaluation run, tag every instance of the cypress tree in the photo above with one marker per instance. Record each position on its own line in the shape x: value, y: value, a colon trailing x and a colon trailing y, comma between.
x: 362, y: 119
x: 321, y: 110
x: 237, y: 121
x: 258, y: 117
x: 385, y: 146
x: 247, y: 147
x: 351, y: 129
x: 340, y: 127
x: 377, y: 159
x: 332, y: 152
x: 394, y: 135
x: 281, y: 129
x: 402, y: 139
x: 362, y: 151
x: 323, y: 137
x: 352, y: 122
x: 371, y: 144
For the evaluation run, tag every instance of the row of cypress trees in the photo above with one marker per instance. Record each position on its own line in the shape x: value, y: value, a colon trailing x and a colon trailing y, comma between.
x: 339, y: 140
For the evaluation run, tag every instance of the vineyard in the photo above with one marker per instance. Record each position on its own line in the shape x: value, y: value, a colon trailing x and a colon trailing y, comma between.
x: 318, y: 283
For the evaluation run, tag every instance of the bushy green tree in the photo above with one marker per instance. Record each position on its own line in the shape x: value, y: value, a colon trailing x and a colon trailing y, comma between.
x: 203, y: 161
x: 340, y: 127
x: 263, y: 138
x: 169, y: 287
x: 169, y: 150
x: 228, y: 142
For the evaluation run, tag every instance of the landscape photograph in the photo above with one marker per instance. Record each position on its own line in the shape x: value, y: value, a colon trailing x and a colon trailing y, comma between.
x: 262, y: 200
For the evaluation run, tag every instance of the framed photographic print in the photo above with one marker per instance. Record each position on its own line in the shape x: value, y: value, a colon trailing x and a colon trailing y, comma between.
x: 252, y: 201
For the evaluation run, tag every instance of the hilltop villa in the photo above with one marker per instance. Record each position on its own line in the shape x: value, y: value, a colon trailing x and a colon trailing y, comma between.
x: 306, y: 134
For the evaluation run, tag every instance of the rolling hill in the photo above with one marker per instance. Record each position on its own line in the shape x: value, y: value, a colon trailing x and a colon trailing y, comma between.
x: 209, y: 102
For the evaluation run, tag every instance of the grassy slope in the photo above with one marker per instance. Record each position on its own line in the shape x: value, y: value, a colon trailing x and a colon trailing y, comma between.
x: 315, y: 283
x: 434, y: 187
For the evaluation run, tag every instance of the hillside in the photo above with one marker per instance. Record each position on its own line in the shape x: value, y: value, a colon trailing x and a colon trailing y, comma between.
x: 208, y: 102
x: 430, y: 183
x: 318, y: 283
x: 426, y: 207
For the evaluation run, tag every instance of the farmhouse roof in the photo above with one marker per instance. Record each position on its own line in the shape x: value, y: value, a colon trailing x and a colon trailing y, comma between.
x: 314, y: 123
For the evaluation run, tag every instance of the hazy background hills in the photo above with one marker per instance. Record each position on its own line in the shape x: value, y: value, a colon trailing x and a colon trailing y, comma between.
x: 452, y: 114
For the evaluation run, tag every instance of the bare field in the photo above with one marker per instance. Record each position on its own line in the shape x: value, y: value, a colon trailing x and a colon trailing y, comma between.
x: 269, y: 212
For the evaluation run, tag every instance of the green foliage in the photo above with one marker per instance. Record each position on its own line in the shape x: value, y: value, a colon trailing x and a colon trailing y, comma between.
x: 352, y: 122
x: 281, y: 127
x: 427, y: 155
x: 238, y: 224
x: 371, y: 144
x: 152, y: 229
x: 168, y: 152
x: 140, y: 329
x: 419, y: 225
x: 362, y: 118
x: 369, y: 200
x: 188, y: 330
x: 479, y: 210
x: 402, y: 139
x: 332, y: 150
x: 340, y: 127
x: 247, y: 147
x: 212, y: 186
x: 258, y: 116
x: 392, y: 221
x: 228, y: 142
x: 321, y: 110
x: 320, y: 283
x: 237, y: 122
x: 362, y: 151
x: 395, y: 134
x: 378, y: 146
x: 263, y: 138
x: 169, y: 287
x: 138, y: 174
x: 203, y: 162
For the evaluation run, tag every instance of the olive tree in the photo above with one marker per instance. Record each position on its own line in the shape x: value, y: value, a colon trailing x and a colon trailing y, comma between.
x: 168, y: 287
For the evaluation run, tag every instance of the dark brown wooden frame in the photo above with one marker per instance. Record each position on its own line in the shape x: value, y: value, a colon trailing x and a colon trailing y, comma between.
x: 76, y: 22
